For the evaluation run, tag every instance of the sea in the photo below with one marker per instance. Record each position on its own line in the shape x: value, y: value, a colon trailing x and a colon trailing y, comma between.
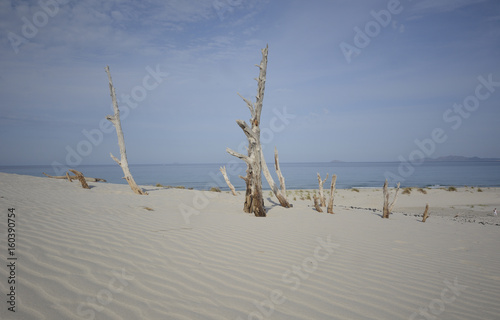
x: 297, y: 175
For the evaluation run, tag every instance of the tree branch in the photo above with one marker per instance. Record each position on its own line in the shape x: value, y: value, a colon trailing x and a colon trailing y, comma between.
x: 249, y: 105
x: 238, y: 155
x: 114, y: 158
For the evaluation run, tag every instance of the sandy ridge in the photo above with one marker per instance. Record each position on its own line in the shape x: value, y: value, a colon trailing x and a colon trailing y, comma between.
x: 99, y: 254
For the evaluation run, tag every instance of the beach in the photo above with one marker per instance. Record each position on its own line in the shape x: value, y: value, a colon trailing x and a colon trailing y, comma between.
x: 106, y: 253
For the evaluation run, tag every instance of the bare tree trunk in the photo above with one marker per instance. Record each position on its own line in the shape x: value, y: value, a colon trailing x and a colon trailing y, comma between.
x: 229, y: 184
x: 254, y: 201
x: 316, y: 203
x: 278, y: 172
x: 80, y: 177
x: 426, y: 213
x: 247, y: 206
x: 115, y: 120
x: 387, y: 209
x: 281, y: 197
x: 321, y: 195
x: 332, y: 191
x: 74, y: 177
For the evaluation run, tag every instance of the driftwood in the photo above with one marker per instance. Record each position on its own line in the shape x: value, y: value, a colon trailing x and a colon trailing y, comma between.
x: 278, y: 172
x: 254, y: 200
x: 229, y: 184
x: 80, y: 177
x: 115, y: 120
x: 70, y: 177
x: 332, y: 191
x: 387, y: 208
x: 426, y: 213
x: 279, y: 195
x: 316, y: 203
x: 321, y: 195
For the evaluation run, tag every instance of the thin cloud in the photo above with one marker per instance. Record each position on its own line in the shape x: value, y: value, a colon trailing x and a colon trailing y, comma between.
x: 438, y: 6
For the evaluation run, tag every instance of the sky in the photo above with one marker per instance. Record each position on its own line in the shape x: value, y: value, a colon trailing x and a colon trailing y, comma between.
x: 363, y: 80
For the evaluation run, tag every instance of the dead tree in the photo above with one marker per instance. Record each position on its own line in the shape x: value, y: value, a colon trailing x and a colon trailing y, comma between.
x: 278, y: 172
x: 80, y: 177
x: 229, y: 184
x: 279, y: 195
x: 115, y: 120
x: 387, y: 209
x: 316, y: 203
x: 254, y: 201
x: 70, y: 177
x: 426, y: 213
x: 321, y: 195
x: 332, y: 191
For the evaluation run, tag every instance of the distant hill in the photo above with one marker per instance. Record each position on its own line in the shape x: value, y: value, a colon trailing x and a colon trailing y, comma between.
x: 460, y: 158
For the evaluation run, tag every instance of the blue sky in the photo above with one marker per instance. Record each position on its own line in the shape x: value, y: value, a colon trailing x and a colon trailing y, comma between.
x: 409, y: 67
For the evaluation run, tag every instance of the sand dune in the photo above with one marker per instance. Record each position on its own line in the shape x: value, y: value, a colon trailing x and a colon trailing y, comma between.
x: 106, y: 253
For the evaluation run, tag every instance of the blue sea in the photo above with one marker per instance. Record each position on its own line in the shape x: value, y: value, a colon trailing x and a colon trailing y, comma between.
x: 297, y: 175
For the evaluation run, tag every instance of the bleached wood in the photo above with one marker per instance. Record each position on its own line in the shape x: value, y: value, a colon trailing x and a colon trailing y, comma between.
x: 68, y: 177
x: 74, y: 178
x: 332, y: 192
x: 249, y: 104
x: 229, y: 184
x: 254, y: 201
x: 115, y: 120
x: 81, y: 178
x: 321, y: 194
x: 385, y: 208
x: 316, y: 204
x: 280, y: 196
x: 426, y: 213
x: 278, y: 172
x: 238, y: 155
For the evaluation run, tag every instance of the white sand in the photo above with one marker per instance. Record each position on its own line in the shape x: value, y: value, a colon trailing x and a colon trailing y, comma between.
x: 100, y: 254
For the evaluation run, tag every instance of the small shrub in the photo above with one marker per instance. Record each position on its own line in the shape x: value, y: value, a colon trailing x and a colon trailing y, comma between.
x: 215, y: 189
x: 149, y: 209
x: 308, y: 196
x: 180, y: 187
x: 406, y: 191
x: 479, y: 190
x: 159, y: 185
x: 422, y: 191
x: 451, y: 189
x: 355, y: 190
